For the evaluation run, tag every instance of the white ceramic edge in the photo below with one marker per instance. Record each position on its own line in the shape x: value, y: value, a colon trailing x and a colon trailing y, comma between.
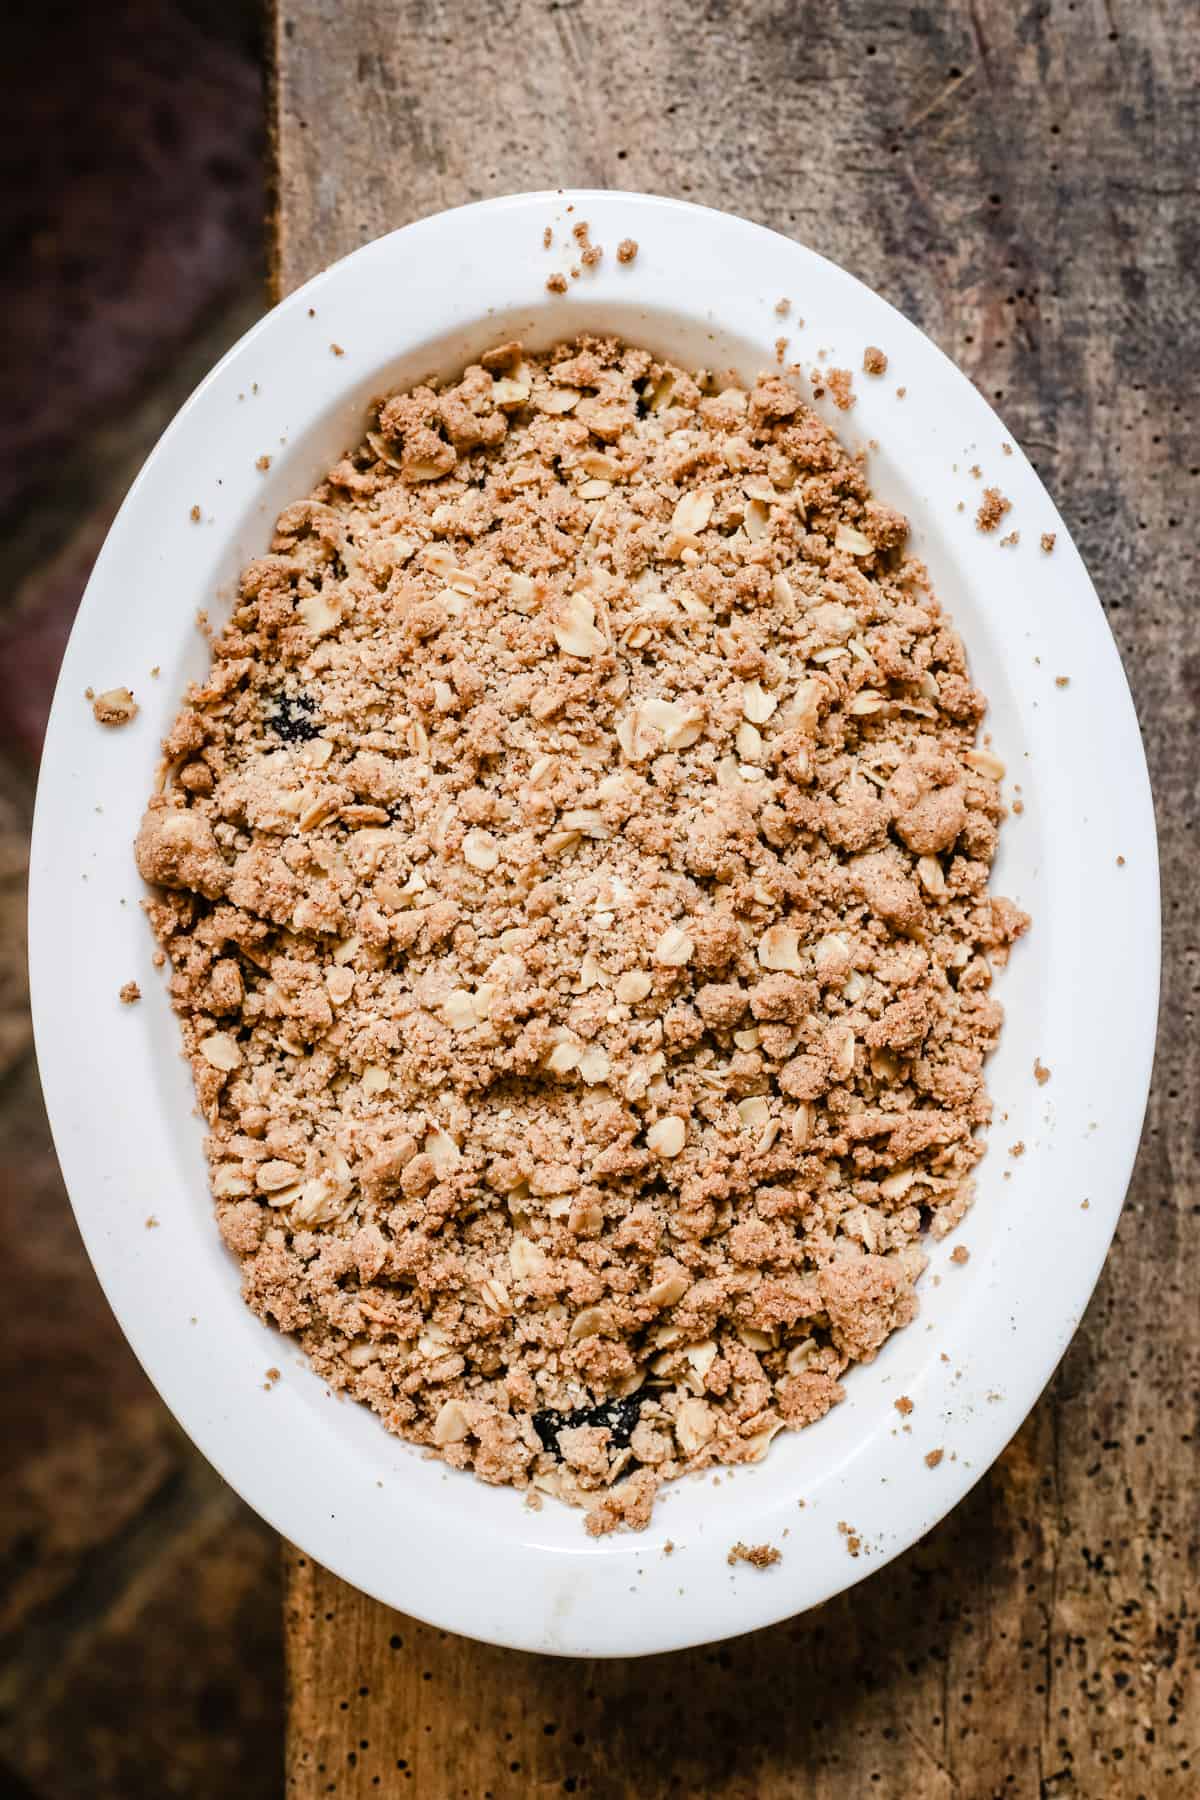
x: 475, y: 1561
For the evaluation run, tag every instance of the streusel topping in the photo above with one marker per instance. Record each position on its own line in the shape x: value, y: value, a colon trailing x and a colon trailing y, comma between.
x: 574, y: 872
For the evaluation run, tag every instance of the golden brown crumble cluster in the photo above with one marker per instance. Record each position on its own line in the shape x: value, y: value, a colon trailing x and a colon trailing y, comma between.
x: 574, y: 875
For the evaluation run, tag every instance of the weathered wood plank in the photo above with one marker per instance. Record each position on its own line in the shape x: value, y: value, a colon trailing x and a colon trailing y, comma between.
x: 1019, y: 179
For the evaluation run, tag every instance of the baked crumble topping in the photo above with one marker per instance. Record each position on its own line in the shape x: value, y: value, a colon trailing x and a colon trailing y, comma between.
x: 574, y: 874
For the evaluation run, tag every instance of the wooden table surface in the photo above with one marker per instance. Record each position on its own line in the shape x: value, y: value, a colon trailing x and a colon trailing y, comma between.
x: 1020, y: 180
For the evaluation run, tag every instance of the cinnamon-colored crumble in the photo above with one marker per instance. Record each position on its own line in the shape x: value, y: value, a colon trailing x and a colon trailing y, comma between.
x: 759, y: 1556
x: 992, y: 509
x: 556, y: 284
x: 903, y: 1405
x: 130, y: 994
x: 875, y: 361
x: 627, y: 250
x: 574, y: 874
x: 1048, y: 541
x: 115, y: 707
x: 840, y: 383
x: 933, y: 1458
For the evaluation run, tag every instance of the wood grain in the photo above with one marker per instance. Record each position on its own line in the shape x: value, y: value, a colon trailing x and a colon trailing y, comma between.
x: 1019, y: 179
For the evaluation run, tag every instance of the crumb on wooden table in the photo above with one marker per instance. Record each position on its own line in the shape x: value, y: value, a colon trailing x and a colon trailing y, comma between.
x: 759, y: 1556
x: 627, y: 250
x: 875, y: 361
x: 116, y: 706
x: 130, y: 993
x: 992, y: 508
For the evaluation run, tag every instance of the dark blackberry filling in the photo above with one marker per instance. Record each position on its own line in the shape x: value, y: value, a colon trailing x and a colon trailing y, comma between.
x: 292, y: 718
x: 619, y: 1417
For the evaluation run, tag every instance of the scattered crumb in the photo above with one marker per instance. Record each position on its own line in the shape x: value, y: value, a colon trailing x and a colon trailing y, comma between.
x: 759, y: 1556
x: 130, y: 994
x: 1018, y: 807
x: 159, y: 959
x: 312, y: 312
x: 668, y: 1547
x: 841, y: 385
x: 781, y: 345
x: 1084, y: 1205
x: 1011, y: 541
x: 1041, y: 1073
x: 579, y: 231
x: 337, y: 349
x: 1017, y: 1149
x: 874, y: 361
x: 1120, y: 862
x: 992, y: 508
x: 1062, y: 681
x: 960, y: 1254
x: 575, y: 273
x: 1049, y: 538
x: 547, y: 238
x: 115, y: 707
x: 783, y: 308
x: 900, y: 392
x: 853, y: 1541
x: 194, y: 515
x: 626, y: 250
x: 152, y: 1223
x: 960, y: 507
x: 272, y: 1377
x: 1007, y: 449
x: 933, y: 1458
x: 903, y: 1405
x: 556, y: 284
x: 263, y: 463
x: 591, y: 255
x: 155, y: 672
